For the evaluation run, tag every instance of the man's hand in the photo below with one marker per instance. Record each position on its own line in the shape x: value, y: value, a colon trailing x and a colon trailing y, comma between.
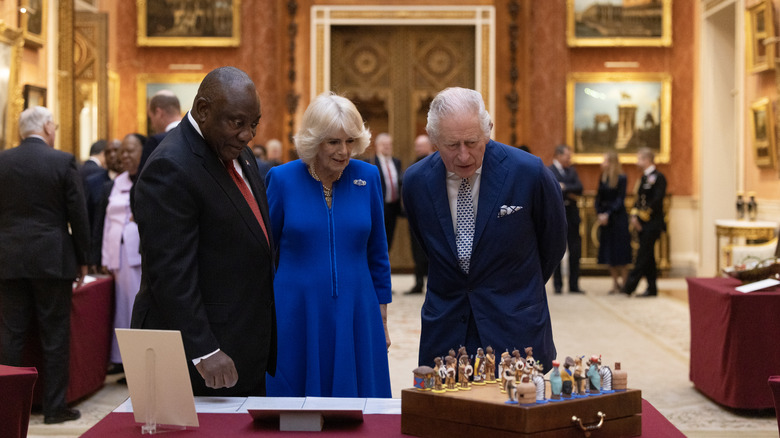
x: 83, y: 270
x: 603, y: 218
x: 218, y: 371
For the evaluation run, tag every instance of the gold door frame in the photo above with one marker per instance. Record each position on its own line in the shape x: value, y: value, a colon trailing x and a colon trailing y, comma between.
x: 483, y: 18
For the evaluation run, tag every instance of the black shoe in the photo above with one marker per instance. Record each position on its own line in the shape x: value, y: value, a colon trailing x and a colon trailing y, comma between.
x: 558, y: 291
x: 115, y: 368
x: 122, y: 381
x: 647, y: 294
x: 414, y: 290
x: 62, y: 416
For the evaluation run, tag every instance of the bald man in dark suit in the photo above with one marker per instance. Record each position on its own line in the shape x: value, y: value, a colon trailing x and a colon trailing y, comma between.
x: 208, y: 261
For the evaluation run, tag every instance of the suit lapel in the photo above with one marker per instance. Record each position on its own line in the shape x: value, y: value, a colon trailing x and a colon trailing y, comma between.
x: 258, y: 189
x: 437, y: 190
x: 491, y: 185
x: 216, y: 169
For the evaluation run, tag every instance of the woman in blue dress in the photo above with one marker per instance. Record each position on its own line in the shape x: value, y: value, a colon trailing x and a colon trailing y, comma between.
x: 615, y: 239
x: 332, y: 285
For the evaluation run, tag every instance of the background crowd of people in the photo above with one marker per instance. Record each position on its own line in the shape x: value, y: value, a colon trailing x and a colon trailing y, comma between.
x: 283, y: 268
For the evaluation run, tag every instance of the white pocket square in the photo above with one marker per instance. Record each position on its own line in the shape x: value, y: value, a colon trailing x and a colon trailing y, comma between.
x: 506, y: 210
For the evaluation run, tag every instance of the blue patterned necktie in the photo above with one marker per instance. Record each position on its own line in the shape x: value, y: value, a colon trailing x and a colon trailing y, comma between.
x: 464, y: 224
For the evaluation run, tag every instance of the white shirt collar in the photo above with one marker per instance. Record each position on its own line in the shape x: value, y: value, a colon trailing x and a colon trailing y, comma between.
x: 649, y: 170
x: 194, y: 123
x: 558, y: 165
x: 172, y: 125
x: 477, y: 173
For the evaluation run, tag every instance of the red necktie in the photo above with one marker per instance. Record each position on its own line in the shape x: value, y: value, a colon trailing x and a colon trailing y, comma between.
x: 390, y: 176
x: 250, y: 199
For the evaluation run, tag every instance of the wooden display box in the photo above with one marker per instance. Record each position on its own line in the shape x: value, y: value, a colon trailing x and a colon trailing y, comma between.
x: 482, y: 411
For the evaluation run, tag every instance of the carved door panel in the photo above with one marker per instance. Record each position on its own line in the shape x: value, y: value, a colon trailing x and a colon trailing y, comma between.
x: 392, y: 73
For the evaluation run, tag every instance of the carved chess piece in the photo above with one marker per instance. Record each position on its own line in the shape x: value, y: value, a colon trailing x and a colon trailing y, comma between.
x: 594, y: 378
x: 526, y: 392
x: 490, y: 365
x: 556, y: 382
x: 479, y: 367
x: 619, y: 378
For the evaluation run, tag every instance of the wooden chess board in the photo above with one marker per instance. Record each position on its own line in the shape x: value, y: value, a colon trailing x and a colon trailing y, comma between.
x: 484, y: 410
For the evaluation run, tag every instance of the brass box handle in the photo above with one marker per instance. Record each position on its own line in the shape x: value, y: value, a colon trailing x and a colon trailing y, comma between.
x: 587, y: 429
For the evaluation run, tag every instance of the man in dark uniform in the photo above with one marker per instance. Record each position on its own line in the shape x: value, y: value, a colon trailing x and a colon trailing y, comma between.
x: 647, y: 218
x: 571, y: 187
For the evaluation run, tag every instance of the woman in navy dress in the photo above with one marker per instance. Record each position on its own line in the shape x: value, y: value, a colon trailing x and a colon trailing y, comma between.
x: 332, y: 285
x: 614, y: 240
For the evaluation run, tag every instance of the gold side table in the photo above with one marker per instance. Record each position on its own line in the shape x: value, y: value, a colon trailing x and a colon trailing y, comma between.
x: 745, y: 230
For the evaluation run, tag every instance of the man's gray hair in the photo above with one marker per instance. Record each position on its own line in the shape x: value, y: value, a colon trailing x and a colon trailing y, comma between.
x: 33, y: 120
x: 452, y: 101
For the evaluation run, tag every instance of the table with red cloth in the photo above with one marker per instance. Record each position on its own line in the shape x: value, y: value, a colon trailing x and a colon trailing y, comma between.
x: 91, y: 322
x: 16, y: 388
x: 734, y: 346
x: 119, y: 425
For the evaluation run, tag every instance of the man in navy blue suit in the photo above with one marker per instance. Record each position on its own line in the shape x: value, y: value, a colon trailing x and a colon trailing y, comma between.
x: 490, y: 218
x: 571, y: 188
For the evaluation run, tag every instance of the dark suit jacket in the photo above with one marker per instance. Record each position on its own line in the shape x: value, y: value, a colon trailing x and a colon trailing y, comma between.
x: 512, y: 258
x: 41, y: 194
x: 207, y: 267
x: 93, y: 192
x: 649, y: 205
x: 88, y: 169
x: 397, y: 163
x: 151, y: 144
x: 572, y: 184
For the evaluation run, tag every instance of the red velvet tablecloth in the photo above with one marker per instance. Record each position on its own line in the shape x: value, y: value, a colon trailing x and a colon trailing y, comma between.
x: 120, y: 425
x: 16, y: 387
x: 91, y: 322
x: 734, y: 346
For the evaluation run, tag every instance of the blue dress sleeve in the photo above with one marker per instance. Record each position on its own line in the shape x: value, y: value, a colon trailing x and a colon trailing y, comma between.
x: 378, y: 258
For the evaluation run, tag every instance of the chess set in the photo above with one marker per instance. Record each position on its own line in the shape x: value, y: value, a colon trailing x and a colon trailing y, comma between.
x: 463, y: 395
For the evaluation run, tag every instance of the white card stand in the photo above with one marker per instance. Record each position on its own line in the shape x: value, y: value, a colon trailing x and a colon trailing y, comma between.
x: 292, y: 421
x: 158, y: 380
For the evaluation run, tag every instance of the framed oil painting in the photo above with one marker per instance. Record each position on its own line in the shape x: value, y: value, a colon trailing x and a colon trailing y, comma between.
x: 606, y: 23
x: 34, y: 96
x: 618, y: 111
x: 763, y: 132
x: 760, y: 37
x: 189, y: 23
x: 183, y: 85
x: 32, y: 22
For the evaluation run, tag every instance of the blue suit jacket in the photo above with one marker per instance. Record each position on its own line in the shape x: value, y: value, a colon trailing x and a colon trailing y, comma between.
x: 512, y: 258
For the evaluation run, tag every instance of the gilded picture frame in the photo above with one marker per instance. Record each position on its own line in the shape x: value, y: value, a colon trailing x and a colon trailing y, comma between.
x: 762, y: 129
x: 593, y: 23
x: 618, y: 111
x: 34, y: 96
x: 760, y: 37
x: 208, y: 24
x: 11, y: 100
x: 33, y: 22
x: 183, y: 85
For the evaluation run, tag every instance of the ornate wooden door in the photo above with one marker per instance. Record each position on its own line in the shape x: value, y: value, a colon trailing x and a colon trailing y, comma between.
x: 392, y: 73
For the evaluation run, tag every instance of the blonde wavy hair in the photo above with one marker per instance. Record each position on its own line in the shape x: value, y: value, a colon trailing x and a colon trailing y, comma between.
x: 327, y: 114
